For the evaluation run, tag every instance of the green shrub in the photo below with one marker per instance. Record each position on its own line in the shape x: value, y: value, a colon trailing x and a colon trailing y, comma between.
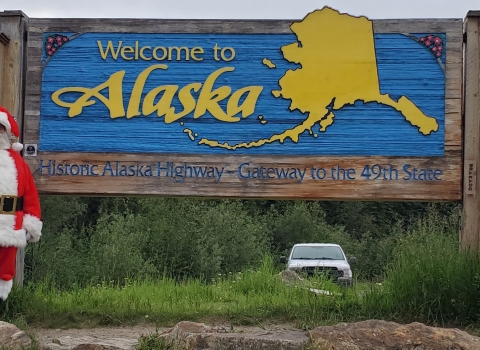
x: 430, y: 279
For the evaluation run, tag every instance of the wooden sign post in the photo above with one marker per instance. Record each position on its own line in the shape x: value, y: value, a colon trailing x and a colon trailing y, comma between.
x: 13, y: 40
x: 470, y: 234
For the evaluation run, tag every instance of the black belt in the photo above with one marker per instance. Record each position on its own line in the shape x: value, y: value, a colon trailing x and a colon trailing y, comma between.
x: 8, y: 203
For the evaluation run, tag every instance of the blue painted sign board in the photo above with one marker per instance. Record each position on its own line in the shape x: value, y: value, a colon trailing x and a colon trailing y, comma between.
x: 332, y: 106
x: 405, y: 68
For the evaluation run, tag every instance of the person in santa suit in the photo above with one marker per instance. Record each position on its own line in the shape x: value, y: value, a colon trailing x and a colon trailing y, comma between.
x: 19, y: 202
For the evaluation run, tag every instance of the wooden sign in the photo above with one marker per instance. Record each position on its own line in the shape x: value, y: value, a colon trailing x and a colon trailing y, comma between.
x: 332, y: 106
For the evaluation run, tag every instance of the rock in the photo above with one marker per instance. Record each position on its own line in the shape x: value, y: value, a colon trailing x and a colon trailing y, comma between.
x: 382, y: 335
x: 371, y: 335
x: 13, y: 338
x: 193, y: 336
x: 91, y: 343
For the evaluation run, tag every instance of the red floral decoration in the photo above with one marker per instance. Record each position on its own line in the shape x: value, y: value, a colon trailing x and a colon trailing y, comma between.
x: 54, y: 42
x: 434, y: 43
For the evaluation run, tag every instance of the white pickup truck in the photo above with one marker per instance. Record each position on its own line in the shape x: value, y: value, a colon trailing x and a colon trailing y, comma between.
x: 312, y: 258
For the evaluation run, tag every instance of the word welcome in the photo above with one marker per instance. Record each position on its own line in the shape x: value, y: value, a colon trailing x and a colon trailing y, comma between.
x: 181, y: 171
x: 208, y: 99
x: 161, y: 53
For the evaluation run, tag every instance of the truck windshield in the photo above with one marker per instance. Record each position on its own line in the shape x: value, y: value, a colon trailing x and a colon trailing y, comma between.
x: 317, y: 252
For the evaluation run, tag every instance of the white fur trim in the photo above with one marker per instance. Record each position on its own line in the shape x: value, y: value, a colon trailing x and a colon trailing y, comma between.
x: 33, y: 225
x: 5, y: 289
x: 10, y: 237
x: 17, y: 146
x: 8, y: 186
x: 8, y: 171
x: 4, y: 121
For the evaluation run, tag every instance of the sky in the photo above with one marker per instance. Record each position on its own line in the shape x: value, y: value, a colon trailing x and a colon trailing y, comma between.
x: 240, y: 9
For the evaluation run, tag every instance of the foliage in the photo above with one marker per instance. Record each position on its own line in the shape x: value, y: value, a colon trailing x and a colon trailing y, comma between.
x: 430, y: 279
x: 246, y: 297
x: 153, y: 341
x: 118, y: 260
x: 91, y: 240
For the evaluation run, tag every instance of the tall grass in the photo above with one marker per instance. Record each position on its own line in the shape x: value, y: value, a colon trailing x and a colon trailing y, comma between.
x: 428, y: 279
x: 249, y: 297
x: 433, y: 282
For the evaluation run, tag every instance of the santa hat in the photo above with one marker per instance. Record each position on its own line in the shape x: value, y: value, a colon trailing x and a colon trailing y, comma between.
x: 12, y: 128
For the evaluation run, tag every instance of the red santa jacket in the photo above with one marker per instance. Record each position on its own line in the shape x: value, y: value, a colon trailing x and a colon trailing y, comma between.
x: 17, y: 180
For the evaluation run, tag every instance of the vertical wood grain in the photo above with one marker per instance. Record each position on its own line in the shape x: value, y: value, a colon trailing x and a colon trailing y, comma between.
x: 469, y: 236
x: 13, y: 58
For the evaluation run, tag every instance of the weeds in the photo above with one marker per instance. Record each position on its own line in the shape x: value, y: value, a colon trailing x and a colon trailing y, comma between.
x: 427, y: 279
x: 153, y: 341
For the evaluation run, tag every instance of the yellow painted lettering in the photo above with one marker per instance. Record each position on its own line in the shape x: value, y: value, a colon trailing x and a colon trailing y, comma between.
x: 136, y: 50
x: 155, y: 53
x: 187, y: 101
x: 215, y: 52
x: 114, y: 102
x: 232, y: 54
x: 108, y: 49
x: 125, y: 50
x: 179, y: 53
x: 165, y: 102
x: 208, y: 99
x: 248, y: 105
x: 197, y: 51
x: 142, y: 55
x: 134, y: 103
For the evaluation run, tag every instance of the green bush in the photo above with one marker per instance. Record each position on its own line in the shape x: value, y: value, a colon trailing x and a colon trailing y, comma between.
x: 430, y: 279
x: 104, y: 239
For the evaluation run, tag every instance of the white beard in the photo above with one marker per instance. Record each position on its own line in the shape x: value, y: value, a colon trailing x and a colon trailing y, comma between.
x: 4, y: 141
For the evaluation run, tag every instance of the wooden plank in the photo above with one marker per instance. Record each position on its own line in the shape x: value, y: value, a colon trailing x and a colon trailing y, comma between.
x: 449, y: 188
x: 3, y: 51
x: 40, y: 25
x: 473, y: 13
x: 57, y: 172
x: 12, y: 64
x: 469, y: 237
x: 14, y: 25
x: 453, y: 130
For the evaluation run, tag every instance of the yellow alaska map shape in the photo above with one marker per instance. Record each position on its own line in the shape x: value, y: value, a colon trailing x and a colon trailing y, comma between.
x: 338, y: 63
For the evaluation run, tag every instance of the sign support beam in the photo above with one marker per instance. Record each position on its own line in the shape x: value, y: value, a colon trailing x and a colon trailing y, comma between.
x: 13, y: 59
x: 470, y: 233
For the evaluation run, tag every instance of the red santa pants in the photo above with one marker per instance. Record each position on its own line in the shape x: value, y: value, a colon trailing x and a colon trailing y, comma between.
x: 8, y: 256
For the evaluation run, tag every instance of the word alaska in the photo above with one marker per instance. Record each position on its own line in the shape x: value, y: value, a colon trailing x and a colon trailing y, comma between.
x: 161, y: 169
x: 159, y: 99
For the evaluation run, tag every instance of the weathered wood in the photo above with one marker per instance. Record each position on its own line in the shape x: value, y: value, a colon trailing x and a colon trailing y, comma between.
x: 104, y: 180
x: 12, y: 77
x: 473, y: 14
x: 3, y: 51
x: 449, y: 188
x: 40, y: 25
x: 14, y: 25
x: 470, y: 234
